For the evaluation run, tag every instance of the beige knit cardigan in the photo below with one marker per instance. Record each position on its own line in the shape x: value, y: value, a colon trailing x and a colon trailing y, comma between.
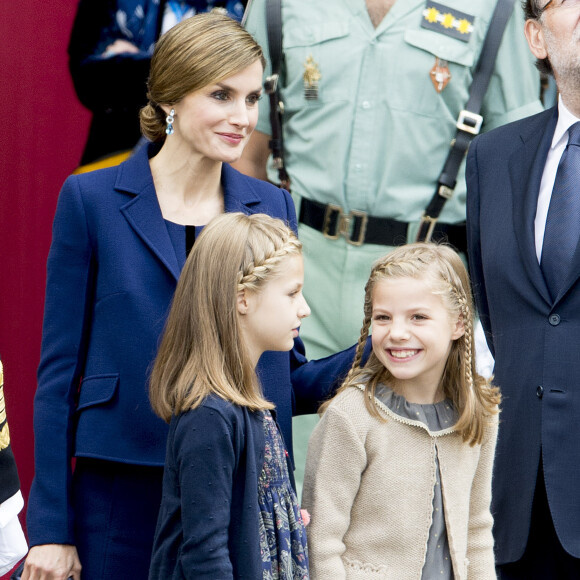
x: 369, y: 490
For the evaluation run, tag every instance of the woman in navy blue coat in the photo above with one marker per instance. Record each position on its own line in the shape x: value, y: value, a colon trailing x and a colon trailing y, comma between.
x: 120, y: 239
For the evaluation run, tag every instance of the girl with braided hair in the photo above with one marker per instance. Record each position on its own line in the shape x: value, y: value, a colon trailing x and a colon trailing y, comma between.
x: 398, y: 473
x: 228, y: 509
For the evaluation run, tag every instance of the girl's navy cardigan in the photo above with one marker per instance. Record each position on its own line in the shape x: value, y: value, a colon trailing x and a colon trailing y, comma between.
x: 208, y: 526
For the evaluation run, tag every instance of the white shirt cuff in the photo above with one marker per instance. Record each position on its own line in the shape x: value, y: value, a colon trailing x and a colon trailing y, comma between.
x: 10, y: 508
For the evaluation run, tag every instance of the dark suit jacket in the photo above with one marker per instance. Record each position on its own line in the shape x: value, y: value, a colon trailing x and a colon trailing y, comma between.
x: 111, y: 273
x: 535, y: 341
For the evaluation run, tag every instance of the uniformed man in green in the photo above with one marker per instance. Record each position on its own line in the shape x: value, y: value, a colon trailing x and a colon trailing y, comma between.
x: 372, y: 92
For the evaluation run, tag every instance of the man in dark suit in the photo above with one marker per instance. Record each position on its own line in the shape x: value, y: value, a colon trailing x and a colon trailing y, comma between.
x: 523, y: 214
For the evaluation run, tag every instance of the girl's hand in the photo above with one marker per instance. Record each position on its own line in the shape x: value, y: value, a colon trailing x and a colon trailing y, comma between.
x: 52, y: 562
x: 305, y: 517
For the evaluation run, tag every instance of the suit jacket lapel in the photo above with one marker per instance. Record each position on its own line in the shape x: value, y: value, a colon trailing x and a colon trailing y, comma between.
x: 143, y: 212
x: 239, y: 191
x: 526, y: 166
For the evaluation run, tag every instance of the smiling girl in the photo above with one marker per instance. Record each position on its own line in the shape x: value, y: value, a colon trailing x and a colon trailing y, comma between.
x: 398, y: 474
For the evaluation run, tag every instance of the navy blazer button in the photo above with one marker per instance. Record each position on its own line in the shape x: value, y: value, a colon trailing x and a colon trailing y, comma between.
x: 554, y: 319
x: 540, y: 391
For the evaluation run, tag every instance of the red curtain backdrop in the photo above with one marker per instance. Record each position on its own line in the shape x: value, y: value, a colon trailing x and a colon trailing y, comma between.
x: 42, y: 132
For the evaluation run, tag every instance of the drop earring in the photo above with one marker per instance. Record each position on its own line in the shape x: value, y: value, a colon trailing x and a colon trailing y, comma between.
x: 169, y: 119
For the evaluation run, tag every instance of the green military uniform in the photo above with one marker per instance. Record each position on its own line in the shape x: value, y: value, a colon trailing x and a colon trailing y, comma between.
x: 376, y: 133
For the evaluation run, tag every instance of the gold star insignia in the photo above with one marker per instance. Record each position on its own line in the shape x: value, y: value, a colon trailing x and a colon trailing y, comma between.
x: 464, y: 26
x: 448, y: 20
x: 431, y: 14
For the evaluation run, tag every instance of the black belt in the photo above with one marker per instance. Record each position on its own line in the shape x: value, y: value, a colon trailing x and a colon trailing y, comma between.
x: 360, y: 228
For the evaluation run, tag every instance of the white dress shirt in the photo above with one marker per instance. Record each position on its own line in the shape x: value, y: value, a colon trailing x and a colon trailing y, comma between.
x: 565, y: 120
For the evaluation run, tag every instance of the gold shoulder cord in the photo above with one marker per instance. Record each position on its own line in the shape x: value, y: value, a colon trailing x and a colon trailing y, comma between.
x: 4, y: 432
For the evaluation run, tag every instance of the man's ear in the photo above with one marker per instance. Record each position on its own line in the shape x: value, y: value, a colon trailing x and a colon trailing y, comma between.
x: 459, y: 328
x: 242, y: 302
x: 535, y: 37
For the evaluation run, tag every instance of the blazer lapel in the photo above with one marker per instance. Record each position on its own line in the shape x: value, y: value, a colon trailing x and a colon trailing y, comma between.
x: 526, y: 166
x: 143, y: 212
x: 239, y: 191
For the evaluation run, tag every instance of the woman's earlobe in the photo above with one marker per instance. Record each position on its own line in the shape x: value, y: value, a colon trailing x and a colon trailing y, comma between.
x: 167, y: 109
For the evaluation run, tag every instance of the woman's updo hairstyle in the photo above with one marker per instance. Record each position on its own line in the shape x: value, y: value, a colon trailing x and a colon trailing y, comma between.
x: 197, y: 52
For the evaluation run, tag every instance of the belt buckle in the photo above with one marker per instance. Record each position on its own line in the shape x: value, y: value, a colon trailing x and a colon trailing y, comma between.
x: 327, y: 215
x: 476, y: 120
x: 271, y: 84
x: 344, y: 224
x: 445, y: 191
x: 427, y: 219
x: 363, y: 227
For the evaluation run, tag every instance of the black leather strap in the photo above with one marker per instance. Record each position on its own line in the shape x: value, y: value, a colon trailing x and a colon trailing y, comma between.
x: 272, y: 88
x: 481, y: 76
x: 362, y: 228
x: 274, y: 26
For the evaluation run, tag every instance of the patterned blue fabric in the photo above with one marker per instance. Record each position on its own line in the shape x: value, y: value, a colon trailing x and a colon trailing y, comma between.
x: 137, y: 20
x: 282, y: 532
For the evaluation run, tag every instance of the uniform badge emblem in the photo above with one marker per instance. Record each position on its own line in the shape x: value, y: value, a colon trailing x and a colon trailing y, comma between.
x: 440, y: 74
x: 447, y: 21
x: 311, y: 77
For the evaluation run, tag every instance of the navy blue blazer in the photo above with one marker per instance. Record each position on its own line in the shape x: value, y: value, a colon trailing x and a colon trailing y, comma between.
x: 208, y: 524
x: 535, y: 341
x: 111, y: 274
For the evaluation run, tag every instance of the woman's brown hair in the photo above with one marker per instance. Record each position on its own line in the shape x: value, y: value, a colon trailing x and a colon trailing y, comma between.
x: 199, y: 51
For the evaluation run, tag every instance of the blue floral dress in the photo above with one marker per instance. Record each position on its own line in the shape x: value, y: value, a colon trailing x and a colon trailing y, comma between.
x: 282, y: 533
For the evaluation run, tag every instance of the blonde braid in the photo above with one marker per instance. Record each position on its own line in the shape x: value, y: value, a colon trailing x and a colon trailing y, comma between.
x: 360, y: 347
x: 255, y: 273
x: 355, y: 369
x: 466, y: 314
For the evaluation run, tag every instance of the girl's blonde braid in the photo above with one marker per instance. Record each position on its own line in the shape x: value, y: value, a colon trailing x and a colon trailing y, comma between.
x: 364, y: 332
x: 468, y: 336
x: 255, y: 274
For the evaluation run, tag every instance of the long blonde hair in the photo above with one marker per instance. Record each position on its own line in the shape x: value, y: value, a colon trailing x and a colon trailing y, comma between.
x: 202, y: 350
x: 199, y: 51
x: 474, y: 398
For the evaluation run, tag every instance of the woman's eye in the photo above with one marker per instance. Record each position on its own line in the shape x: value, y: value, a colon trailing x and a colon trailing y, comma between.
x: 220, y: 95
x: 253, y: 99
